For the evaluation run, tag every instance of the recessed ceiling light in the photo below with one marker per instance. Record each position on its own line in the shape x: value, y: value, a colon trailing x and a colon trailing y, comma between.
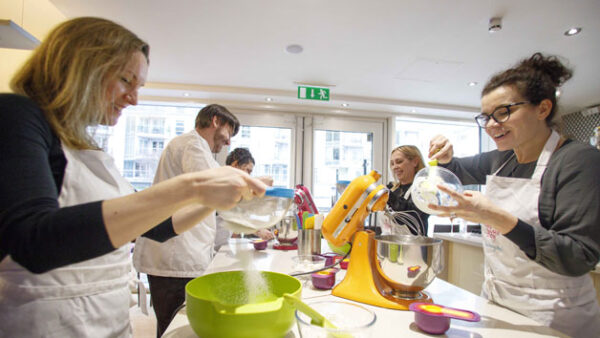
x: 294, y: 49
x: 268, y: 99
x: 558, y: 92
x: 345, y: 105
x: 573, y: 31
x: 413, y: 110
x: 186, y: 94
x: 472, y: 84
x: 495, y: 25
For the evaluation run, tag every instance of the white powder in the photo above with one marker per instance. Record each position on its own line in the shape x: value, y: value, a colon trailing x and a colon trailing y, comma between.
x: 256, y: 286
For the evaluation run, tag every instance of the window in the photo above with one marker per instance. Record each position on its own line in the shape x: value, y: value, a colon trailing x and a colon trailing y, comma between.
x: 270, y: 147
x: 464, y: 136
x: 137, y: 141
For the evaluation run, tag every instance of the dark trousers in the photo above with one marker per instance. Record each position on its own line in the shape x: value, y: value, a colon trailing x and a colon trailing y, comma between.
x: 167, y: 294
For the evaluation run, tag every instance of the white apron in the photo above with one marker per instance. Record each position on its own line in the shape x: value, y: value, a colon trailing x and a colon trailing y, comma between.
x: 567, y: 304
x: 87, y: 299
x: 188, y: 254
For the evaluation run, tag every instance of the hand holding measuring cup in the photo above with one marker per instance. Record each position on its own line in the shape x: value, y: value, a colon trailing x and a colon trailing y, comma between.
x: 440, y: 149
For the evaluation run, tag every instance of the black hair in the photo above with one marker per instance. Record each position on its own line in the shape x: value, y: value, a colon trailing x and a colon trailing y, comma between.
x: 239, y: 155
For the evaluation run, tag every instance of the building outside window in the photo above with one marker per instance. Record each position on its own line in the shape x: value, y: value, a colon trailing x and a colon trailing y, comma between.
x: 137, y: 141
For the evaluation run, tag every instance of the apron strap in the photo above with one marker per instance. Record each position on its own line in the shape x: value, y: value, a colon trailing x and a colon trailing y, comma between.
x: 544, y: 158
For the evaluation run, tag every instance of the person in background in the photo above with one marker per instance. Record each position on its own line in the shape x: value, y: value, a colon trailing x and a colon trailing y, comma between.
x: 66, y: 214
x: 405, y: 162
x: 242, y: 159
x: 540, y: 210
x: 172, y: 264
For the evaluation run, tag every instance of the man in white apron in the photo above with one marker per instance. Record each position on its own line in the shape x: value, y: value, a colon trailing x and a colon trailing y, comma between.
x: 564, y: 303
x: 87, y: 299
x: 171, y: 264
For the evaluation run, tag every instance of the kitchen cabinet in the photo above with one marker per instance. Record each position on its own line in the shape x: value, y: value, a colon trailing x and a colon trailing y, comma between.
x: 463, y: 258
x: 463, y: 261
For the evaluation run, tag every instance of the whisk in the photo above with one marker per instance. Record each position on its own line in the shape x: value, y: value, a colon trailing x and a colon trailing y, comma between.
x: 406, y: 222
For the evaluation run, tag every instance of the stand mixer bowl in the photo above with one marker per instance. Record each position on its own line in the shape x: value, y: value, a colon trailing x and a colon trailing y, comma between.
x: 409, y: 263
x: 285, y: 232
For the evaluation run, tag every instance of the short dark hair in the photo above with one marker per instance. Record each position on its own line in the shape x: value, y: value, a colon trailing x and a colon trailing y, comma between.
x: 206, y: 114
x: 536, y: 78
x: 239, y: 155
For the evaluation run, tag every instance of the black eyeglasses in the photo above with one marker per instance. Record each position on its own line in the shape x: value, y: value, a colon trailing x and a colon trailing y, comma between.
x: 500, y: 114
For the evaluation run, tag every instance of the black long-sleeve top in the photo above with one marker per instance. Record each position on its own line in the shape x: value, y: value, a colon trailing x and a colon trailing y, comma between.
x: 397, y: 202
x: 34, y: 230
x: 568, y: 242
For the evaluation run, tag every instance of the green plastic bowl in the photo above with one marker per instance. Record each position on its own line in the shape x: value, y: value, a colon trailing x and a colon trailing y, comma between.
x: 217, y: 306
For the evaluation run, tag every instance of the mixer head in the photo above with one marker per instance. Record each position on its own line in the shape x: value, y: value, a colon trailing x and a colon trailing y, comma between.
x: 360, y: 198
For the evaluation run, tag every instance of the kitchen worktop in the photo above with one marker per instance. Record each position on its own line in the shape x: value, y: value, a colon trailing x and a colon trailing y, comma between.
x: 495, y: 321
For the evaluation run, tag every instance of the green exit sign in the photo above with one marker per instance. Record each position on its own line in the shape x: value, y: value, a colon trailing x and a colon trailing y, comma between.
x: 313, y: 93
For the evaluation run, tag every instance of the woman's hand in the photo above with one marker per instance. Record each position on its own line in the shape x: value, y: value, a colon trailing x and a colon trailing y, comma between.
x: 440, y: 149
x: 265, y: 234
x: 473, y: 206
x: 223, y: 187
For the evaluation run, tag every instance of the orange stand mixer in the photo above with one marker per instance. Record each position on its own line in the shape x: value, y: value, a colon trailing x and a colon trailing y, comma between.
x: 388, y: 271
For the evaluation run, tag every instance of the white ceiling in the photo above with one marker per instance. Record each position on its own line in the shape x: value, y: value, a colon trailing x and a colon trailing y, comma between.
x: 383, y: 57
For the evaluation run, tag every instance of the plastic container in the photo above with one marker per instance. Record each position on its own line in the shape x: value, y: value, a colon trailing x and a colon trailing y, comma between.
x: 218, y: 305
x: 351, y: 320
x: 248, y: 216
x: 424, y: 190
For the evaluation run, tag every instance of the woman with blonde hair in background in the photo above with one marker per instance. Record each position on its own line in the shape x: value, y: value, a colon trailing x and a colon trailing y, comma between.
x: 405, y: 162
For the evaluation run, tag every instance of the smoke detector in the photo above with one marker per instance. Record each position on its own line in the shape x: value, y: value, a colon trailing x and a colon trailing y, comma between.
x: 495, y: 25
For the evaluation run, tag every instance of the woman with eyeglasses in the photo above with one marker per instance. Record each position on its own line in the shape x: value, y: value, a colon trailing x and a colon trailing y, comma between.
x: 541, y: 207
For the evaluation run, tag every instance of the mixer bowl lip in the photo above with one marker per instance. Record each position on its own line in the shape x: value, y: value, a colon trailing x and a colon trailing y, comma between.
x: 408, y: 240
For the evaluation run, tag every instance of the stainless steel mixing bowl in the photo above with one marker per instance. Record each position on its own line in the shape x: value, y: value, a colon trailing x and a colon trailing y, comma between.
x: 285, y: 230
x: 409, y: 263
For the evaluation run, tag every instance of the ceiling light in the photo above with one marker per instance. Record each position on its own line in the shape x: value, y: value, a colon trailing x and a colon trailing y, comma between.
x: 558, y: 92
x: 345, y: 105
x: 472, y: 84
x: 294, y: 49
x: 573, y: 31
x: 268, y: 99
x: 186, y: 94
x: 413, y: 110
x: 495, y: 25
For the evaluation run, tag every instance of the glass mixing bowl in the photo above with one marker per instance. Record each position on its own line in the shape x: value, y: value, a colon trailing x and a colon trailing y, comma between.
x: 351, y: 320
x: 248, y: 216
x: 424, y: 190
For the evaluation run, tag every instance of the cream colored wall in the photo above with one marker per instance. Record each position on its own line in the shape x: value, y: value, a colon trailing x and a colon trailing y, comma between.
x: 37, y: 17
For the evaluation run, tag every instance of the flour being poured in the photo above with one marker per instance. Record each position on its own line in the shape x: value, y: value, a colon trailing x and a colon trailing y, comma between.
x: 256, y: 286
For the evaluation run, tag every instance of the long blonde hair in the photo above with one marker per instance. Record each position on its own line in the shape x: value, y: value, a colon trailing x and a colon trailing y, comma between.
x: 410, y: 152
x: 68, y: 75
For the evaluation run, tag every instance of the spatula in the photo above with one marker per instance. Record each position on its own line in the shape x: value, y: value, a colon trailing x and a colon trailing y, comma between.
x: 316, y: 318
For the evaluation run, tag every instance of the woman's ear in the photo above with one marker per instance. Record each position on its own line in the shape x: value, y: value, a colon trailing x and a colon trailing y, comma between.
x: 545, y: 107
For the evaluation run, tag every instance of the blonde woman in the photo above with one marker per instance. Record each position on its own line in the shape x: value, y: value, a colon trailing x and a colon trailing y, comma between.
x: 66, y: 214
x: 405, y: 162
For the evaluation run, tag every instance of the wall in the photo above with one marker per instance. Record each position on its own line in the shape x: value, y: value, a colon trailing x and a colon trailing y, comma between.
x: 37, y: 17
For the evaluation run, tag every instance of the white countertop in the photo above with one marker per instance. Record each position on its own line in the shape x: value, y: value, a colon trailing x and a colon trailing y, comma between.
x: 495, y: 321
x: 468, y: 238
